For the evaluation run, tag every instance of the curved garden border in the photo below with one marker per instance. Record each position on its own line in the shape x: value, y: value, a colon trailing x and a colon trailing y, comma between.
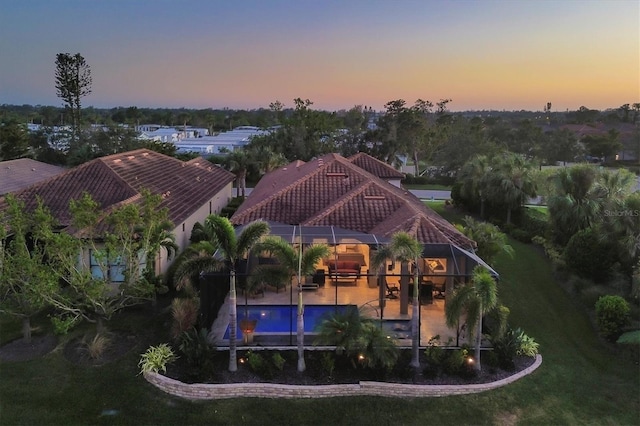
x: 274, y: 390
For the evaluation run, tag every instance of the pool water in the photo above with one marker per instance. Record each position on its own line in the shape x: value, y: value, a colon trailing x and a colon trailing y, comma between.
x: 280, y: 319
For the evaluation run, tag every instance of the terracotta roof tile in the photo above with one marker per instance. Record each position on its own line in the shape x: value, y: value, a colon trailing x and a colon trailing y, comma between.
x: 24, y: 172
x: 111, y: 180
x: 375, y: 166
x: 332, y: 190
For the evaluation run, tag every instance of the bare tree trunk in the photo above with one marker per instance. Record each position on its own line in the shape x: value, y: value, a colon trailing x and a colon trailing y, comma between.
x: 477, y: 365
x: 100, y: 325
x: 300, y: 331
x: 415, y: 322
x: 26, y: 329
x: 233, y: 320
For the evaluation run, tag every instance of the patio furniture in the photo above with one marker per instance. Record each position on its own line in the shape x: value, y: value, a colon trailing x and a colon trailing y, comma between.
x: 425, y: 290
x: 318, y: 277
x: 392, y: 291
x: 344, y: 272
x: 438, y: 286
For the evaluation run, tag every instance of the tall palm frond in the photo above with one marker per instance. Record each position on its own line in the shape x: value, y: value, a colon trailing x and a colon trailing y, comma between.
x: 475, y: 299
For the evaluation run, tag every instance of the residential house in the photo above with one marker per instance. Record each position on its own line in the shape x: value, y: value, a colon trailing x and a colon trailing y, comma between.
x: 191, y: 190
x: 24, y: 172
x: 351, y: 205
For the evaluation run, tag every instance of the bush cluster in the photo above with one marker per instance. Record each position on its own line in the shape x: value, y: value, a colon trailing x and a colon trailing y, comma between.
x: 198, y: 353
x: 454, y: 362
x: 589, y: 256
x: 263, y: 366
x: 511, y: 344
x: 612, y: 315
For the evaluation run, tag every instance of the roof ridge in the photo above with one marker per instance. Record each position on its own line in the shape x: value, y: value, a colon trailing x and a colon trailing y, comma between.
x: 286, y: 188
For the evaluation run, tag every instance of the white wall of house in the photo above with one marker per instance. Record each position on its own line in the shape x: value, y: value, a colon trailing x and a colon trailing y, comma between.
x: 182, y: 231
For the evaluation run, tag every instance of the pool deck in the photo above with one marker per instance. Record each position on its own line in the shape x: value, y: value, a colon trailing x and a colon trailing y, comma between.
x: 432, y: 316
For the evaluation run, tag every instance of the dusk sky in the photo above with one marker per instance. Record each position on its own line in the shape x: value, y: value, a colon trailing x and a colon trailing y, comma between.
x: 247, y: 53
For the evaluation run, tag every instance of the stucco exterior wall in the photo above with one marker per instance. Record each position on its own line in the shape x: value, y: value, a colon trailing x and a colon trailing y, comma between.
x: 182, y: 231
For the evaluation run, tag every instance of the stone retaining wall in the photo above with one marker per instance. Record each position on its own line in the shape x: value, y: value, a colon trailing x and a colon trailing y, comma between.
x: 274, y: 390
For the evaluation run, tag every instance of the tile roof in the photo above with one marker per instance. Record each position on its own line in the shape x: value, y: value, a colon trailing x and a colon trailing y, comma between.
x: 24, y: 172
x: 331, y: 190
x: 119, y: 178
x: 375, y: 166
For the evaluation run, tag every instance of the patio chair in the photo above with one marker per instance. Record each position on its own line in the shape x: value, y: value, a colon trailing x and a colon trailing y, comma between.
x: 392, y: 291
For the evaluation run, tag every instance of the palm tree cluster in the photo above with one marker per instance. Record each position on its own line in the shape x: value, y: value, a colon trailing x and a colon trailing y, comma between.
x: 599, y: 202
x: 500, y: 183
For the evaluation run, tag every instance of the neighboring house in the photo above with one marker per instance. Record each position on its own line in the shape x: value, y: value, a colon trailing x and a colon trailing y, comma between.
x: 378, y: 168
x: 225, y: 141
x: 24, y: 172
x: 164, y: 134
x: 191, y: 190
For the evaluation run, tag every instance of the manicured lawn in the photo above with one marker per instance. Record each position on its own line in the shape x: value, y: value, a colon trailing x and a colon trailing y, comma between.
x: 579, y: 382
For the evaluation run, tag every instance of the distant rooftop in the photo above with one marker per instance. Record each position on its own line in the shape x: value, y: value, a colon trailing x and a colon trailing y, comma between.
x: 24, y: 172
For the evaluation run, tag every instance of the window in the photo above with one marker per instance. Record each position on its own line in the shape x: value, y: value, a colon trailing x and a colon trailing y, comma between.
x: 115, y: 270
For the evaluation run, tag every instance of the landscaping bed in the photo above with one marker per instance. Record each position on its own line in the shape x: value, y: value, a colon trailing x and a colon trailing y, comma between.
x: 318, y: 371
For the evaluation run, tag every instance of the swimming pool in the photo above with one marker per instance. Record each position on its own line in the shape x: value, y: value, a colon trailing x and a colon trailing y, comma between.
x: 281, y: 319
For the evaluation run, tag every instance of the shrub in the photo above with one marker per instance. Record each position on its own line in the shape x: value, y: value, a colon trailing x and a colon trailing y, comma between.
x: 590, y: 295
x: 579, y: 284
x: 435, y: 356
x: 377, y: 352
x: 456, y: 361
x: 63, y: 324
x: 96, y: 346
x: 156, y: 359
x: 552, y: 252
x: 527, y: 346
x: 278, y: 361
x: 588, y: 256
x: 505, y: 349
x: 434, y: 353
x: 197, y: 351
x: 359, y: 339
x: 520, y: 234
x: 534, y: 223
x: 328, y: 363
x: 259, y: 365
x: 185, y: 315
x: 612, y: 315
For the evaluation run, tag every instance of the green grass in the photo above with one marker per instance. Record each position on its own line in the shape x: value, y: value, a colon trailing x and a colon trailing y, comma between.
x: 579, y: 382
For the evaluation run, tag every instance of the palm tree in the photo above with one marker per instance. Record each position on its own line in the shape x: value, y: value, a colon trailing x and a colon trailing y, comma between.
x: 476, y: 298
x: 266, y: 158
x: 231, y: 248
x: 238, y: 163
x: 472, y: 177
x: 405, y: 249
x: 574, y: 205
x: 512, y: 182
x: 488, y: 237
x: 291, y: 262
